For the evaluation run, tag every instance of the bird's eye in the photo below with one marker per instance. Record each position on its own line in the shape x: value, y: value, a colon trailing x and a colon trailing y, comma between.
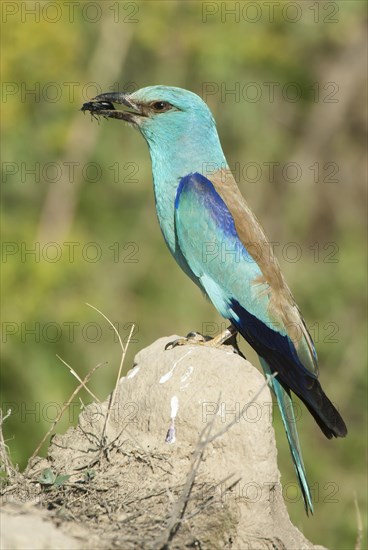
x: 160, y: 106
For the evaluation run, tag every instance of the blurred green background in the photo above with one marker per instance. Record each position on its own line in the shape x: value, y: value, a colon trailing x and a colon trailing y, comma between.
x: 286, y: 82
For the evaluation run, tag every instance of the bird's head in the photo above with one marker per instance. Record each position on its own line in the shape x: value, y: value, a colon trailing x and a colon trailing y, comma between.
x: 166, y: 116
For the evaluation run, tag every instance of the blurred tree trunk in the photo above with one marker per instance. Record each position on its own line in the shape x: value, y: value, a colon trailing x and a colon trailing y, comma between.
x: 331, y: 134
x: 61, y: 201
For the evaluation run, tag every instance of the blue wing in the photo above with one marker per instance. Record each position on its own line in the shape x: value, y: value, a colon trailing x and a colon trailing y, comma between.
x: 207, y: 237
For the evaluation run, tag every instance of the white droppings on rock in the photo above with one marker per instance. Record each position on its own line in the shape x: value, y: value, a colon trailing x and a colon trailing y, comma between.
x: 132, y: 373
x: 171, y: 432
x: 169, y: 374
x: 174, y: 406
x: 187, y: 374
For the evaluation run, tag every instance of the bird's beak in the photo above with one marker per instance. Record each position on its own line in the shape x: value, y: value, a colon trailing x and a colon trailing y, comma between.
x: 103, y: 105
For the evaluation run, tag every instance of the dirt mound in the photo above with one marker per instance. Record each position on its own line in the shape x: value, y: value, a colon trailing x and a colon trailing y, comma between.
x: 187, y: 459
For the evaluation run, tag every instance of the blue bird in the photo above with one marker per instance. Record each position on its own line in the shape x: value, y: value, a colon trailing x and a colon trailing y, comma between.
x: 200, y: 208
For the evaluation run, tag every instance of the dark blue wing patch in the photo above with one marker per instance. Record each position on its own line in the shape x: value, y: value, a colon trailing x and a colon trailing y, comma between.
x: 208, y: 198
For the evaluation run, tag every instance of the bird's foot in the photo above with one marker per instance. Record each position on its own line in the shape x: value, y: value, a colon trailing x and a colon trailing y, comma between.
x: 224, y: 340
x: 191, y: 338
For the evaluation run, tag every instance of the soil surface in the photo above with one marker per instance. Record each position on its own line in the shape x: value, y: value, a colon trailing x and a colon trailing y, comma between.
x: 186, y: 459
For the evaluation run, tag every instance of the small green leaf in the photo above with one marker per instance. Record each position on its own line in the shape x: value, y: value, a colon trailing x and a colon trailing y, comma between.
x: 47, y: 477
x: 61, y: 479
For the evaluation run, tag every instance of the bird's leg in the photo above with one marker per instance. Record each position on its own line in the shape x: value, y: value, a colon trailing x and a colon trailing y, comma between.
x: 226, y: 337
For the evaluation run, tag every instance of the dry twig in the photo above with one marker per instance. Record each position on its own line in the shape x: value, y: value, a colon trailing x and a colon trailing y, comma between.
x: 66, y: 405
x: 76, y: 375
x: 4, y: 449
x: 124, y: 350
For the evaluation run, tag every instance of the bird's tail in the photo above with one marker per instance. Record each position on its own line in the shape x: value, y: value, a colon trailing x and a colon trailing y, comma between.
x: 287, y: 414
x: 324, y: 412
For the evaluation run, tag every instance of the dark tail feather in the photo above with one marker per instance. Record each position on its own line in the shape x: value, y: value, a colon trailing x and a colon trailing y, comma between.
x: 324, y: 412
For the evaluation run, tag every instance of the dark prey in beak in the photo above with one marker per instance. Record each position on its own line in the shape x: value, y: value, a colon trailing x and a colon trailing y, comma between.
x: 97, y: 108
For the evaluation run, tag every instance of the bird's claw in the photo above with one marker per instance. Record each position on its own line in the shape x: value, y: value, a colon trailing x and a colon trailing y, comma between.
x: 175, y: 343
x: 191, y: 338
x: 197, y: 338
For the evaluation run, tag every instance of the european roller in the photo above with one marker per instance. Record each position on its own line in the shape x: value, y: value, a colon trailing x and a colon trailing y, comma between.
x: 198, y: 205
